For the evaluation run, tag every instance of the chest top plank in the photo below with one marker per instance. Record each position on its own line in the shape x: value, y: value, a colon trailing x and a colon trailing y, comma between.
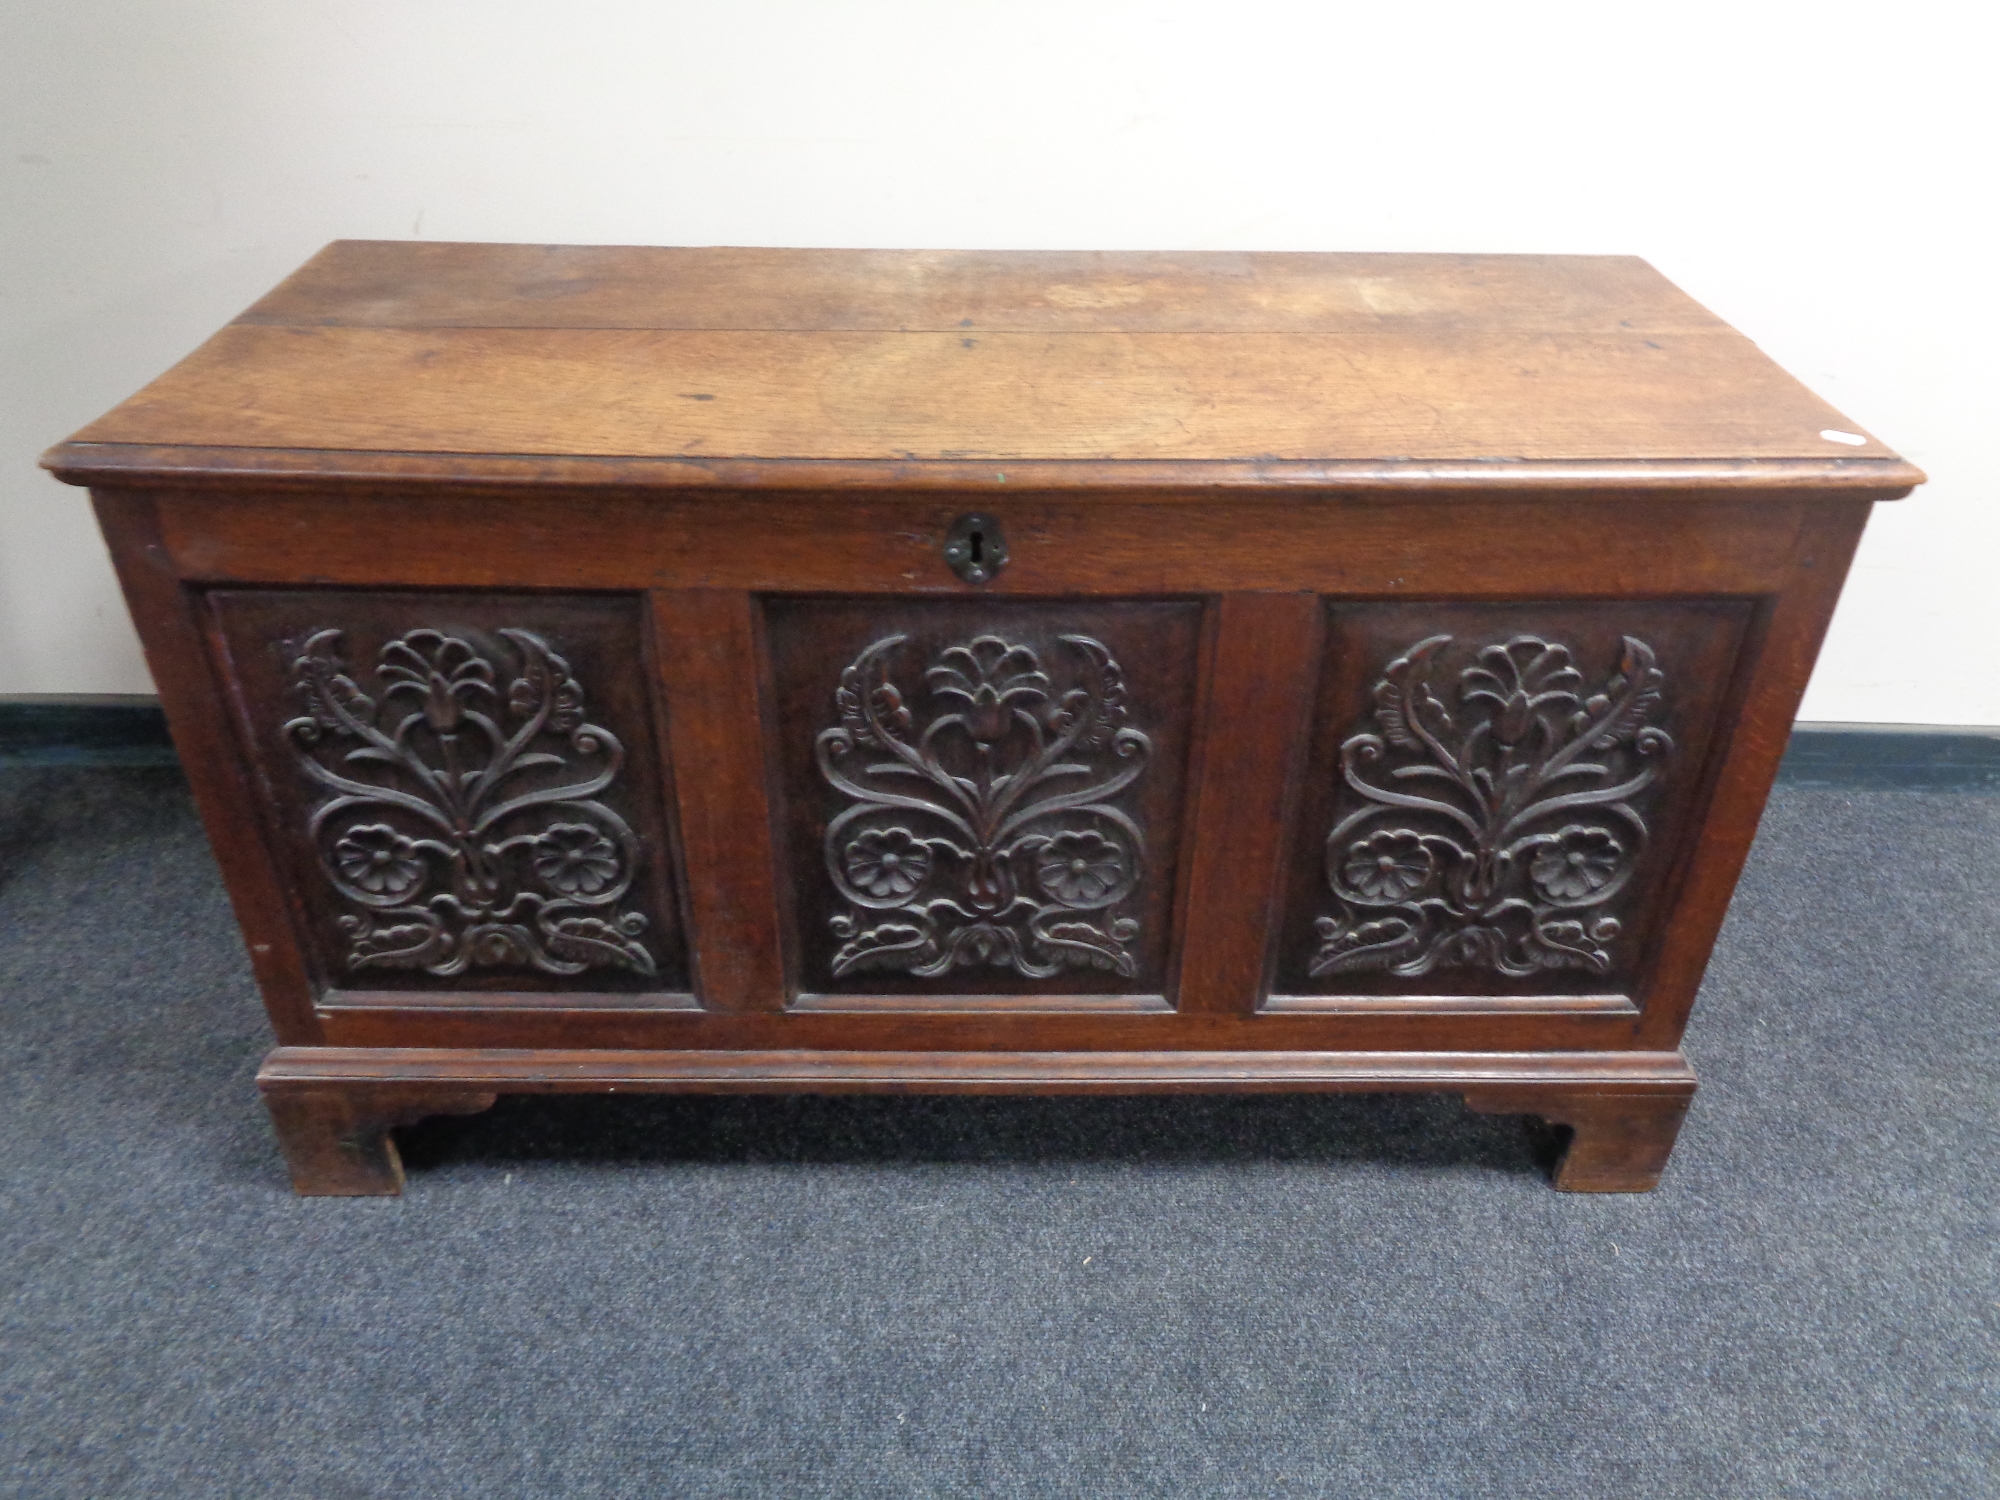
x: 899, y: 369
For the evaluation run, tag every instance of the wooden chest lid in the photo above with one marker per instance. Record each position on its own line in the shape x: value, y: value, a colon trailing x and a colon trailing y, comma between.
x: 965, y: 369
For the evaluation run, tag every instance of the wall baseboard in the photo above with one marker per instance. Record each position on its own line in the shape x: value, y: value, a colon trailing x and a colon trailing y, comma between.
x: 131, y: 731
x: 101, y: 730
x: 1928, y: 757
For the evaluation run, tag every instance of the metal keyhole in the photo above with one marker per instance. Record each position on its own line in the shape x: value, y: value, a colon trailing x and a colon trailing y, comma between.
x: 976, y: 548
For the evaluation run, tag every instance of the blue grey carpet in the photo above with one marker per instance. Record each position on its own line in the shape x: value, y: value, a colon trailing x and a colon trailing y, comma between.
x: 892, y: 1297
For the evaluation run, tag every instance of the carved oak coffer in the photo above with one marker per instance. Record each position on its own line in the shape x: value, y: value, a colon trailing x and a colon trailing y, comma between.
x: 803, y: 670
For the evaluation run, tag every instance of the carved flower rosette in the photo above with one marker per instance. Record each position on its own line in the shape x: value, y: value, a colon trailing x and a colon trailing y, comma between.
x: 462, y: 823
x: 1499, y: 831
x: 984, y: 834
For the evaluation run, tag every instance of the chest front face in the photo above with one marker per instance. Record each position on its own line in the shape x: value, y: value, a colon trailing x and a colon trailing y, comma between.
x: 766, y: 652
x: 661, y: 773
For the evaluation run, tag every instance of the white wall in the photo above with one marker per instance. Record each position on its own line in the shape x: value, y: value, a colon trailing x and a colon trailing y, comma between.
x: 1819, y: 174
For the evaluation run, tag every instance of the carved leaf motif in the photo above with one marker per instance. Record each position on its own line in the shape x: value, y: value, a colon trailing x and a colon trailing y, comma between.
x: 890, y: 945
x: 462, y: 845
x: 990, y: 833
x: 1081, y: 942
x: 545, y: 680
x: 1403, y: 697
x: 1490, y: 841
x: 410, y: 945
x: 332, y: 698
x: 864, y: 705
x: 593, y: 942
x: 1630, y: 696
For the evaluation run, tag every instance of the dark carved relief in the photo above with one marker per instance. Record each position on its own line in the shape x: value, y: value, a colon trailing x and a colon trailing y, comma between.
x: 1498, y: 833
x: 466, y: 829
x: 986, y: 834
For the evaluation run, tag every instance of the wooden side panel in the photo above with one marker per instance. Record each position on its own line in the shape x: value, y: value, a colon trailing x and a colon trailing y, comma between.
x: 982, y: 797
x: 1497, y: 793
x: 463, y: 788
x: 171, y: 627
x: 1781, y: 663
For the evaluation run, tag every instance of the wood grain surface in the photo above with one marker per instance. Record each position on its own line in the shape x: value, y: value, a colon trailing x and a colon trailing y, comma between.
x: 394, y: 284
x: 928, y: 361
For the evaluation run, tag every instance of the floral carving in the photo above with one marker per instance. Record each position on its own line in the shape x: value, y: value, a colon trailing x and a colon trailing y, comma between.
x: 576, y: 859
x: 1078, y: 868
x: 465, y: 826
x: 379, y: 860
x: 1580, y: 861
x: 986, y: 834
x: 1496, y: 833
x: 888, y: 862
x: 1389, y: 865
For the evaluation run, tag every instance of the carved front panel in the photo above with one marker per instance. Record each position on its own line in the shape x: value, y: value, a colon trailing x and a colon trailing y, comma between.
x: 1496, y: 794
x: 982, y: 798
x: 464, y: 787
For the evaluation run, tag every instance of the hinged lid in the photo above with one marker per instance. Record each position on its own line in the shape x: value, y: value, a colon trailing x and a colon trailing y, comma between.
x: 898, y: 369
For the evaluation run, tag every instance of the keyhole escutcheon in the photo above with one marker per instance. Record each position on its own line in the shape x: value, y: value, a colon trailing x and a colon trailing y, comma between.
x: 975, y: 547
